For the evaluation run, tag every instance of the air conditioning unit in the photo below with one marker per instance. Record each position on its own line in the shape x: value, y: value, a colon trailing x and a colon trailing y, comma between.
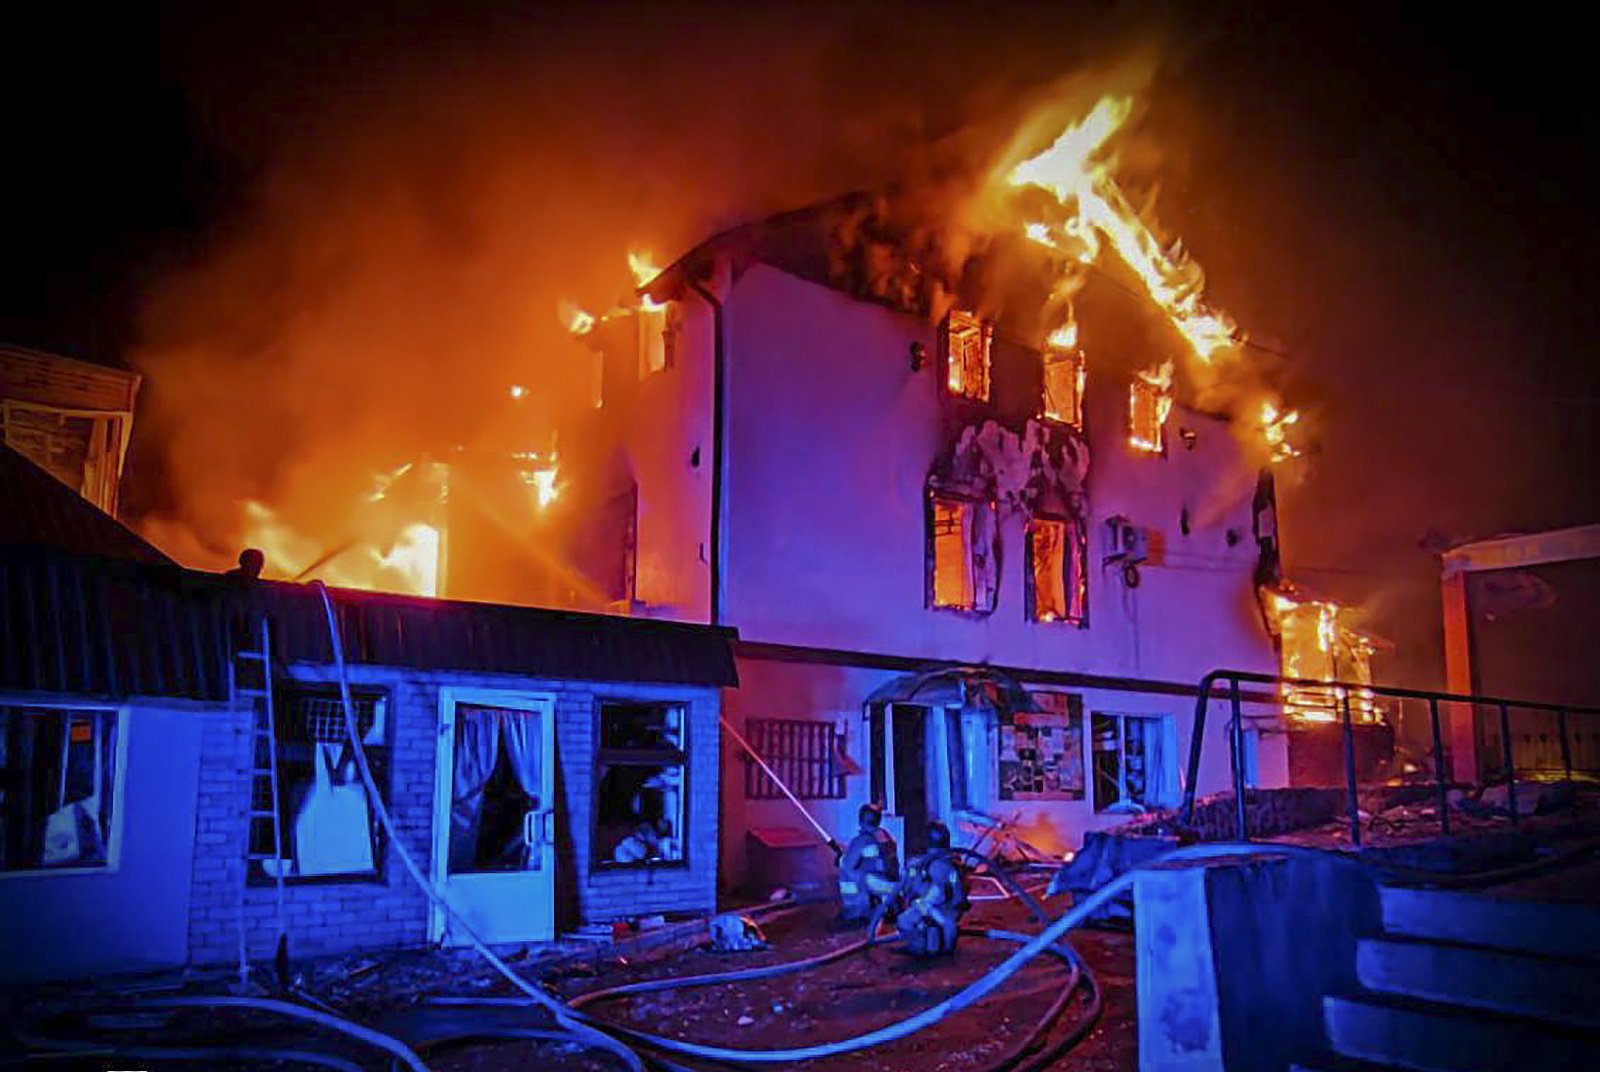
x: 1129, y: 544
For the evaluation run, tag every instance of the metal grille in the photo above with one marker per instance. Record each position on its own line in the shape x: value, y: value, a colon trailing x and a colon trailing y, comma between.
x: 804, y: 753
x: 321, y: 718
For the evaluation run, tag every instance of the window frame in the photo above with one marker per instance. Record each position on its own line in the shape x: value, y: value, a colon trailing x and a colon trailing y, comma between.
x: 1070, y: 712
x: 1053, y: 355
x: 970, y: 322
x: 284, y: 693
x: 935, y: 493
x: 604, y: 757
x: 1077, y: 536
x: 792, y: 732
x: 1157, y: 722
x: 1138, y: 385
x: 119, y: 764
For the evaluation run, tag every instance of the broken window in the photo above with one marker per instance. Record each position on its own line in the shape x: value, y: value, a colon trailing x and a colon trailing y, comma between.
x: 1057, y: 576
x: 1149, y: 402
x: 1135, y: 761
x: 329, y: 829
x: 806, y: 754
x: 58, y: 769
x: 961, y: 553
x: 639, y: 784
x: 81, y: 448
x: 1041, y: 753
x: 967, y: 355
x: 1064, y: 376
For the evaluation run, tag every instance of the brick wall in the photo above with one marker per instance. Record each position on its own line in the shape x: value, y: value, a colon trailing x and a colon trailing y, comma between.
x: 329, y: 917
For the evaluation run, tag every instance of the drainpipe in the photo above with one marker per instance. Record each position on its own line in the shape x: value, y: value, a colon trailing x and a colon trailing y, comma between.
x: 719, y: 361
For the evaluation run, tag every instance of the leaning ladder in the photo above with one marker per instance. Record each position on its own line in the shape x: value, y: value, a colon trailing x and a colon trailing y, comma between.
x: 263, y: 827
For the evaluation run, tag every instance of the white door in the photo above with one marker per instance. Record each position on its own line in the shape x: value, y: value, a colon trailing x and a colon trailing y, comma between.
x: 493, y: 817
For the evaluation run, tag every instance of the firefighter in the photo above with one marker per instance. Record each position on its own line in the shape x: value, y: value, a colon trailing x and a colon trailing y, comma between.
x: 933, y: 897
x: 869, y: 868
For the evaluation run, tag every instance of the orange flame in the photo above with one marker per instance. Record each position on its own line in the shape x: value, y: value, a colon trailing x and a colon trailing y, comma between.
x: 642, y: 264
x: 576, y: 320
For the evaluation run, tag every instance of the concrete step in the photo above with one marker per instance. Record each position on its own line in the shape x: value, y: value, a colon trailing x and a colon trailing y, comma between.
x: 1570, y: 931
x: 1566, y: 991
x: 1436, y: 1038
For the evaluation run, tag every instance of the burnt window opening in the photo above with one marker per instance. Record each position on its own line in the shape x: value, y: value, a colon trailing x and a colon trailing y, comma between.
x: 961, y: 553
x: 640, y: 782
x: 1065, y: 374
x: 330, y: 831
x: 1149, y: 402
x: 1057, y: 574
x: 1134, y: 760
x: 57, y: 787
x: 659, y: 327
x: 806, y: 754
x: 968, y: 345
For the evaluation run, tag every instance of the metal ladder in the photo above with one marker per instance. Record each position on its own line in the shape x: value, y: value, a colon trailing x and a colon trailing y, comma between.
x: 252, y: 685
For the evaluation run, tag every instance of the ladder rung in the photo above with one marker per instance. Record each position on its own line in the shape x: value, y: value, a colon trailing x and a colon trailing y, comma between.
x: 253, y: 656
x: 260, y: 857
x: 263, y: 813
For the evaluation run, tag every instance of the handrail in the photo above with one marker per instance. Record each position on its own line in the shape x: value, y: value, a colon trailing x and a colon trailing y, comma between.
x: 1209, y: 684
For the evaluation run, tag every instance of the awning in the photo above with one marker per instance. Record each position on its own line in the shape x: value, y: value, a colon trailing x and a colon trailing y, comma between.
x: 975, y: 687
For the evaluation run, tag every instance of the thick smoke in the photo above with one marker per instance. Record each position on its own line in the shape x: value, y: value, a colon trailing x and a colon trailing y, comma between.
x: 428, y: 192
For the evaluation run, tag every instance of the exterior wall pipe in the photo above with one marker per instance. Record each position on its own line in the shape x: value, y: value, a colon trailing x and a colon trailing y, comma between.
x: 719, y: 360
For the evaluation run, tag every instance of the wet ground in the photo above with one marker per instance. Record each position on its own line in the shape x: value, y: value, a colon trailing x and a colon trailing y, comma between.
x: 852, y: 996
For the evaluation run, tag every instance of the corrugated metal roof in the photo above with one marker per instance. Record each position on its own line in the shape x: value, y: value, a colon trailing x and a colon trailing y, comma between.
x: 41, y: 511
x: 94, y: 626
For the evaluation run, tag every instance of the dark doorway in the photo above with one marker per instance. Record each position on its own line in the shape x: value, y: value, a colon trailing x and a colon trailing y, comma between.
x: 911, y: 775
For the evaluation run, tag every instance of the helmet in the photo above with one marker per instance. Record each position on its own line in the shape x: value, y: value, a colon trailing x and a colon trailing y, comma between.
x: 938, y: 835
x: 870, y: 814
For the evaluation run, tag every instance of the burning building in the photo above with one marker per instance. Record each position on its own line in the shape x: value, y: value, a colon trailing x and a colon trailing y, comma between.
x: 982, y: 511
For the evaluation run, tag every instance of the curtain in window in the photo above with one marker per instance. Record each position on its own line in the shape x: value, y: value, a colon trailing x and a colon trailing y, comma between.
x: 1161, y: 762
x: 333, y: 830
x: 477, y: 750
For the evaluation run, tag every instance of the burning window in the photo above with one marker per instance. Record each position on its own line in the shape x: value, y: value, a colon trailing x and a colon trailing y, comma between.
x: 967, y: 345
x: 1135, y: 761
x: 961, y: 537
x: 658, y: 336
x: 1315, y: 644
x: 1064, y: 375
x: 1149, y: 402
x: 328, y: 826
x: 1057, y: 571
x: 57, y: 794
x: 639, y: 785
x: 808, y: 755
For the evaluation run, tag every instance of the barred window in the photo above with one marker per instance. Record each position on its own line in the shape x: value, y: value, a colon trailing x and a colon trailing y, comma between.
x: 806, y: 754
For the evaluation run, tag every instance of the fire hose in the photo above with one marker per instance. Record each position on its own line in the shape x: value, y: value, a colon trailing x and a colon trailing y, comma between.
x: 598, y: 1034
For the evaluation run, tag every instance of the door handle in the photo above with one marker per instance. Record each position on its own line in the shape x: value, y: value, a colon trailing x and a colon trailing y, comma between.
x: 539, y: 827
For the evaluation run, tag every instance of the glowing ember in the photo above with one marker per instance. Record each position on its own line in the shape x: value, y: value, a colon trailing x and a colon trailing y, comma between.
x: 541, y: 475
x: 518, y: 391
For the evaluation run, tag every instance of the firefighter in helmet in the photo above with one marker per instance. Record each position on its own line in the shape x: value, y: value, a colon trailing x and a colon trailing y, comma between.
x: 933, y: 897
x: 869, y: 868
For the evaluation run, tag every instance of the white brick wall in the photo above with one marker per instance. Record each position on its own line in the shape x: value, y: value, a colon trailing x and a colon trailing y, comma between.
x: 329, y: 917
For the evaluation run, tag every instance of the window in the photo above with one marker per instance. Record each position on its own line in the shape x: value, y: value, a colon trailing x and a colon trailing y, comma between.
x: 58, y: 769
x: 1058, y: 588
x: 1134, y: 758
x: 658, y: 336
x: 967, y: 345
x: 808, y: 756
x: 328, y: 825
x: 639, y: 785
x: 81, y: 448
x: 1041, y: 753
x: 1149, y: 402
x: 1064, y: 375
x: 961, y: 538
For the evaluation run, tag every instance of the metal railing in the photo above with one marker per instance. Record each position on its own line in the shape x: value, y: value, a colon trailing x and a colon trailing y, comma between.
x: 1343, y: 690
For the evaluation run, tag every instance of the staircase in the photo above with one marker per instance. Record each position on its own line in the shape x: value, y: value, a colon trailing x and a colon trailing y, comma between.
x: 1460, y: 983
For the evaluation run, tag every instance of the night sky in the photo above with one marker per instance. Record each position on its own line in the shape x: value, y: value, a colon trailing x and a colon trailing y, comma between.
x: 1401, y: 205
